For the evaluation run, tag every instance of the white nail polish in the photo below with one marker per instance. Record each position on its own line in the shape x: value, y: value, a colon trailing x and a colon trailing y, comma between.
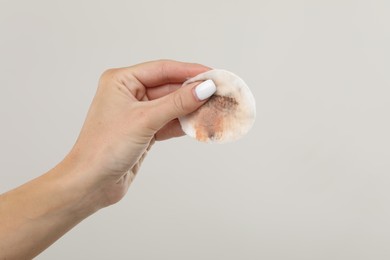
x: 205, y: 89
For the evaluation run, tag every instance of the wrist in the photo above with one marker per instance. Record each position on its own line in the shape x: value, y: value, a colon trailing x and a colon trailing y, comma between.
x: 78, y: 186
x: 93, y: 186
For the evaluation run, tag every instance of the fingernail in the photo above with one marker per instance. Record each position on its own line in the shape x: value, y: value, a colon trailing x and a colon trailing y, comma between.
x: 205, y: 89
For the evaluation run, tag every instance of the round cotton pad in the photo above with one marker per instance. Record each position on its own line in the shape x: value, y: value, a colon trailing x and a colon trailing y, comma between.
x: 227, y: 116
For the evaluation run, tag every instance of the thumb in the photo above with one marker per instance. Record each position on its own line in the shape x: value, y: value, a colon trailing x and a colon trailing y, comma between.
x: 179, y: 103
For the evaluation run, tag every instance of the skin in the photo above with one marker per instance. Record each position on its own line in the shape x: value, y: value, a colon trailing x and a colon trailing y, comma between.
x: 132, y: 108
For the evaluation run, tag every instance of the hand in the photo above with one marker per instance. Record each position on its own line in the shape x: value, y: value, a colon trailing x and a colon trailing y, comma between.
x: 133, y: 107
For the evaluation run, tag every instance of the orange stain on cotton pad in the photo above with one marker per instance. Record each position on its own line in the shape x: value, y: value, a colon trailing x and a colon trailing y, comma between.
x: 213, y: 116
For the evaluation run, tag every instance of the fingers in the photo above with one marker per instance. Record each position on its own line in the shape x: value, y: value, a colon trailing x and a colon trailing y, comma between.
x: 157, y: 73
x: 160, y: 91
x: 160, y: 83
x: 179, y: 103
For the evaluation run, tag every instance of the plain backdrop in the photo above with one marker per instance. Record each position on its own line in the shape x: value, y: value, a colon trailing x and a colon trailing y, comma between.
x: 310, y: 181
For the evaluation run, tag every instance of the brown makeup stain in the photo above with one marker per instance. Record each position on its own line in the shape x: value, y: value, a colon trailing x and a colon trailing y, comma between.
x: 212, y: 117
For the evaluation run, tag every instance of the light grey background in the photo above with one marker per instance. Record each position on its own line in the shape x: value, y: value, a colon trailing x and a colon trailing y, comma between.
x: 310, y: 181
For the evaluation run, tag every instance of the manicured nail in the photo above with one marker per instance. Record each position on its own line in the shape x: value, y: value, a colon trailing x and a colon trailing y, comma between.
x: 205, y: 89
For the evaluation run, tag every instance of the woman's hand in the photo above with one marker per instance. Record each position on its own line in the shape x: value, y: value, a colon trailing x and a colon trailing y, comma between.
x: 133, y: 106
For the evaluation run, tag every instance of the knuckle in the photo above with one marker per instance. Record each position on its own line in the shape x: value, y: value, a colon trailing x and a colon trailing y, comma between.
x: 178, y: 103
x: 164, y: 71
x: 108, y: 75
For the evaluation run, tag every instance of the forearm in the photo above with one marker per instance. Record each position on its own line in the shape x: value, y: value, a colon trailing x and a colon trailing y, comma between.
x: 36, y: 214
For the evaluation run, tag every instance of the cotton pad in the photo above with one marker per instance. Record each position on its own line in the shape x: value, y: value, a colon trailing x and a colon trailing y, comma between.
x: 227, y: 116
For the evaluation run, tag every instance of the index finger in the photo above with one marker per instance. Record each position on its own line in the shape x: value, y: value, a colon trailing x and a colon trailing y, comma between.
x: 157, y: 73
